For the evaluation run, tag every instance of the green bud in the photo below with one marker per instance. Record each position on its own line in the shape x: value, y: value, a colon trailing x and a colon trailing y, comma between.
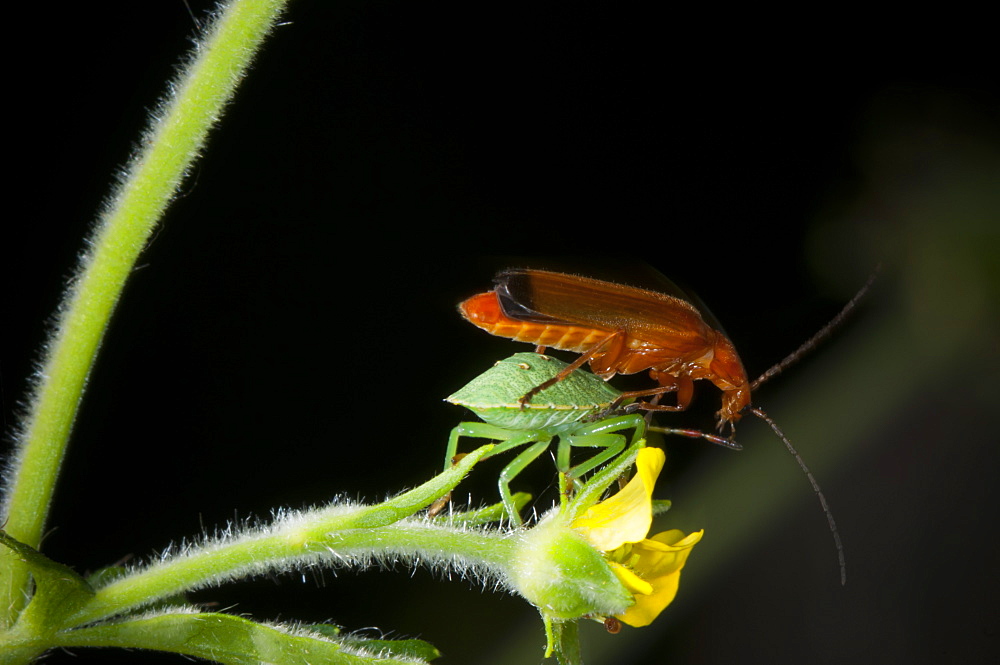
x: 562, y: 574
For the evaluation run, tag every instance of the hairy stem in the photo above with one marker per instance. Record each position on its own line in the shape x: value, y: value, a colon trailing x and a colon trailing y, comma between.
x: 171, y: 144
x: 337, y: 535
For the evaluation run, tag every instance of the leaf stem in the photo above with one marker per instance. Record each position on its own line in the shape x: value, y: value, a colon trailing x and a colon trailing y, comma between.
x: 334, y: 535
x: 478, y: 553
x: 171, y: 144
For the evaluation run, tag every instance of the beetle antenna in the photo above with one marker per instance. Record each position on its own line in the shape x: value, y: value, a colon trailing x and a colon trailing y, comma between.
x: 823, y: 333
x: 815, y: 485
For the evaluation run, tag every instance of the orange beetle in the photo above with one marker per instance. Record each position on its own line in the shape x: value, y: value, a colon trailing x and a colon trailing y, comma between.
x: 621, y: 329
x: 618, y: 329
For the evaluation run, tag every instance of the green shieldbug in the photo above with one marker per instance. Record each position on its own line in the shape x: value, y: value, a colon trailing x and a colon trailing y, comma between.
x: 563, y: 410
x: 574, y: 410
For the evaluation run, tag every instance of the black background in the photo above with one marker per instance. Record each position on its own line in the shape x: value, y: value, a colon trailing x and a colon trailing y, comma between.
x: 290, y: 331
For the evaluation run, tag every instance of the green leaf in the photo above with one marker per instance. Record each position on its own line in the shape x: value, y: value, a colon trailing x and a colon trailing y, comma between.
x: 238, y: 641
x: 417, y: 650
x: 407, y: 503
x: 58, y: 589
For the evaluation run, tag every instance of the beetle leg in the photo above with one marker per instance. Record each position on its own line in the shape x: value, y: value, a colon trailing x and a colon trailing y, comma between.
x: 605, y: 362
x: 658, y: 392
x: 683, y: 385
x: 633, y: 407
x: 615, y: 343
x: 697, y: 434
x: 685, y: 391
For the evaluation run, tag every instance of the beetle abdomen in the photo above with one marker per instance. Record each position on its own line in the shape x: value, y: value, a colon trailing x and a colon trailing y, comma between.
x: 484, y: 311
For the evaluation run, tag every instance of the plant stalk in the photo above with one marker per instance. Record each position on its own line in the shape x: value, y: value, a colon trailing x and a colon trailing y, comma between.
x: 173, y: 141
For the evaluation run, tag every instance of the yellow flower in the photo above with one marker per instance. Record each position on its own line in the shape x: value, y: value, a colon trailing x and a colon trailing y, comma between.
x: 650, y: 568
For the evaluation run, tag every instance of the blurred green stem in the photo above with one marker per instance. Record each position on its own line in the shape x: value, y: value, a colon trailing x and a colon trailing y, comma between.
x: 338, y: 534
x: 169, y: 147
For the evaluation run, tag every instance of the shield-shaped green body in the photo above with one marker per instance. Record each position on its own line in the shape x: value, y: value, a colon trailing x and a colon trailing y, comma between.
x: 495, y: 394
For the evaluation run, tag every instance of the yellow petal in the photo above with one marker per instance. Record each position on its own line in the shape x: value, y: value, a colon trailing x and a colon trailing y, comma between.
x: 658, y: 561
x: 648, y: 607
x: 663, y: 553
x: 626, y: 516
x: 635, y: 584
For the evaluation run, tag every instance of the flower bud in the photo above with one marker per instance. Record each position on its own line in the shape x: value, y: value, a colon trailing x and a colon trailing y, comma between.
x: 562, y: 574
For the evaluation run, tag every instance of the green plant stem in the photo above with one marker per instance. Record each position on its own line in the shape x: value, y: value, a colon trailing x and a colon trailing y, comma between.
x: 338, y: 534
x: 568, y: 643
x: 172, y: 143
x: 297, y: 544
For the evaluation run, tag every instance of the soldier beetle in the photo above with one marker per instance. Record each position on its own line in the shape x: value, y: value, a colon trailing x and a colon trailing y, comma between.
x: 619, y: 329
x: 622, y: 329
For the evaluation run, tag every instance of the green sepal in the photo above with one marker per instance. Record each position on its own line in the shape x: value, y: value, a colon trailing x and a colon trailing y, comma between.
x: 561, y: 574
x: 59, y: 590
x: 566, y: 635
x: 407, y: 503
x: 485, y: 515
x: 233, y: 640
x: 661, y: 506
